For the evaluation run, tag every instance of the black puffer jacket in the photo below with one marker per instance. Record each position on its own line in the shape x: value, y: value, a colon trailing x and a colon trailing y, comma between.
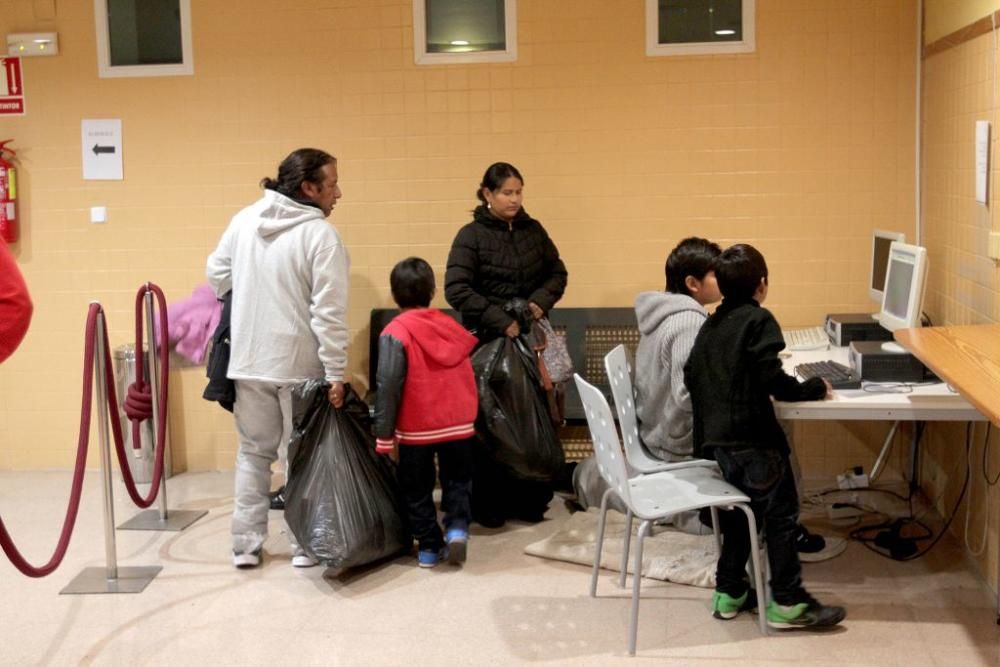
x: 489, y: 264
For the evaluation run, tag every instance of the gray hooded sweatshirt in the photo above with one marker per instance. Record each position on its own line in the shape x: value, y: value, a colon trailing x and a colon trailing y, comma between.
x: 668, y: 324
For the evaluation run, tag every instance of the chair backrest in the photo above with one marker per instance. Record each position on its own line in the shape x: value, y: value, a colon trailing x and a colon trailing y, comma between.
x: 619, y: 369
x: 607, y: 447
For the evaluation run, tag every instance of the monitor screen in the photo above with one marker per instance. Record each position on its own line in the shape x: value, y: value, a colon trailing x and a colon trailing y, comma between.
x: 881, y: 240
x: 903, y: 297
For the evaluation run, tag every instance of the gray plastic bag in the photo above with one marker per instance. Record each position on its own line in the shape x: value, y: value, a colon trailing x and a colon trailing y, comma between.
x: 342, y: 501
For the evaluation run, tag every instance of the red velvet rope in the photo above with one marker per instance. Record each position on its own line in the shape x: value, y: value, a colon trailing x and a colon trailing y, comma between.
x: 83, y: 441
x: 141, y: 389
x: 81, y: 460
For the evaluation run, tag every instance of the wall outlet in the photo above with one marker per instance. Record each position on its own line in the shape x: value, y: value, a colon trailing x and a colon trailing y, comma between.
x: 98, y: 215
x: 993, y: 249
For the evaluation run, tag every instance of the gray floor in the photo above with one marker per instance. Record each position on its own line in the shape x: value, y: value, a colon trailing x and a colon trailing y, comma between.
x: 503, y: 608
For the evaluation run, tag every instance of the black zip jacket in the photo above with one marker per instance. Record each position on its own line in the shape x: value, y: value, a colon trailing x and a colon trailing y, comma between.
x: 732, y: 373
x: 220, y: 388
x: 490, y: 264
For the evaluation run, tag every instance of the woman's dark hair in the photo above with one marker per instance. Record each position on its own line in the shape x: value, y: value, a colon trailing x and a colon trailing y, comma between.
x: 412, y: 283
x: 304, y: 164
x: 739, y: 271
x: 693, y: 256
x: 495, y: 175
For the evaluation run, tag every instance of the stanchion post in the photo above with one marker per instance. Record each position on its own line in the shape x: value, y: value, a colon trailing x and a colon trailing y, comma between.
x: 111, y: 578
x: 102, y: 430
x: 154, y: 388
x: 158, y: 519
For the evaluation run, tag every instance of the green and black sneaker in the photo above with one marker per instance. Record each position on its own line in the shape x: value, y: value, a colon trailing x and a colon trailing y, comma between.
x: 726, y: 607
x: 807, y: 614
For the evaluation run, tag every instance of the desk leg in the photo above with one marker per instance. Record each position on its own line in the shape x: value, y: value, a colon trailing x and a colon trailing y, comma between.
x: 883, y: 454
x: 918, y: 431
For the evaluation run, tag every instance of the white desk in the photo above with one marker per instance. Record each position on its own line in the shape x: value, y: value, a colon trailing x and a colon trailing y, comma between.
x: 931, y: 402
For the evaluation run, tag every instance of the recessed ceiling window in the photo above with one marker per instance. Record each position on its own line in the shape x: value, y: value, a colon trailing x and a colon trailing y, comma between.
x: 464, y: 31
x: 143, y: 37
x: 695, y: 27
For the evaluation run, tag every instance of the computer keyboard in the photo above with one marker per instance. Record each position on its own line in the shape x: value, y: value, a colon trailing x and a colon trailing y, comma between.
x: 811, y: 338
x: 839, y: 375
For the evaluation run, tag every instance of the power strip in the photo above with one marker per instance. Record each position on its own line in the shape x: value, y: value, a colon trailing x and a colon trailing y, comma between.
x: 843, y: 510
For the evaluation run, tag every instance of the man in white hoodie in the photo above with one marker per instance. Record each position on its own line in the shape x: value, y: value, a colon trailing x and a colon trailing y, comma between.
x: 288, y: 271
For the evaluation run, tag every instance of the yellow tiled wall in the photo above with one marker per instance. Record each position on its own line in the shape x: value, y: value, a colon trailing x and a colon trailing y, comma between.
x: 959, y: 88
x: 801, y: 148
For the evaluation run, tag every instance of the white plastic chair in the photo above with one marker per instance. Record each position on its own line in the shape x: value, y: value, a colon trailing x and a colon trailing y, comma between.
x: 619, y: 370
x: 655, y: 495
x: 618, y: 365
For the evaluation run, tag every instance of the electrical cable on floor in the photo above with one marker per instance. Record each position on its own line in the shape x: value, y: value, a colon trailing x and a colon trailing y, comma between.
x: 889, y: 536
x: 986, y: 458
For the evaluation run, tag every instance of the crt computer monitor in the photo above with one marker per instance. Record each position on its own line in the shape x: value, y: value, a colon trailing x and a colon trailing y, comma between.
x: 903, y: 297
x: 881, y: 240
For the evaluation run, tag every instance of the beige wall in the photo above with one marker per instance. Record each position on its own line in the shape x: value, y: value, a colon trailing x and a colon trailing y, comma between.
x: 801, y: 148
x: 959, y: 87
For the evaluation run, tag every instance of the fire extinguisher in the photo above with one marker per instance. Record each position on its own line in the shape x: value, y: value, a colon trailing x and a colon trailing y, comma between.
x: 8, y: 194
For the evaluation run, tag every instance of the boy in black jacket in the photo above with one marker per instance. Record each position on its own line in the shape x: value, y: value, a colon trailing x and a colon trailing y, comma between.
x: 732, y: 373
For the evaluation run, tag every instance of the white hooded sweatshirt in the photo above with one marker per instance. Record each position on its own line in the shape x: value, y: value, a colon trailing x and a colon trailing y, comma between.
x: 288, y: 271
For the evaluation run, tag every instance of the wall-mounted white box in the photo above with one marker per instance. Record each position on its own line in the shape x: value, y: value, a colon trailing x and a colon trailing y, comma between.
x: 26, y: 44
x: 98, y: 214
x: 993, y: 251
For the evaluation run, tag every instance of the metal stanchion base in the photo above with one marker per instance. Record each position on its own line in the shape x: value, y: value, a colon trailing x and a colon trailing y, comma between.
x: 150, y: 520
x: 95, y: 580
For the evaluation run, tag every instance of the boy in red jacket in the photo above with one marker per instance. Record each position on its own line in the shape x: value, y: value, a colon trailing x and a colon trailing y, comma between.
x: 426, y: 403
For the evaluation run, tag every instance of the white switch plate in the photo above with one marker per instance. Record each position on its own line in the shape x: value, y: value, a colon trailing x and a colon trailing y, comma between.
x: 98, y: 214
x: 993, y: 252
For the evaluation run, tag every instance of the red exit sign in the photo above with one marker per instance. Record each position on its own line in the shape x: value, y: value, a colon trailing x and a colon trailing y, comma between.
x: 11, y: 87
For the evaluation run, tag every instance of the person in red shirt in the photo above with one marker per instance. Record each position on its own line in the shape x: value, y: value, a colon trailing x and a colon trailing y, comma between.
x: 15, y: 304
x: 426, y: 404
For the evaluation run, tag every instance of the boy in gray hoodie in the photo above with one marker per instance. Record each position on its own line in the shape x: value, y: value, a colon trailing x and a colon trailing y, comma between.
x: 668, y: 323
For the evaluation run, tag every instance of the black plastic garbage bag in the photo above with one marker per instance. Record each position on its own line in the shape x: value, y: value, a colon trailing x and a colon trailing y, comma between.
x: 342, y: 501
x: 513, y: 419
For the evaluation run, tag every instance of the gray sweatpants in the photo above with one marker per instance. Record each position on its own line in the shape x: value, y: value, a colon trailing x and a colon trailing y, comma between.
x: 263, y: 413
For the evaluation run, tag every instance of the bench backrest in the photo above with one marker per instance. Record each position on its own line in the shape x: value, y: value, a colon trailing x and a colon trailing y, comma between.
x: 590, y: 334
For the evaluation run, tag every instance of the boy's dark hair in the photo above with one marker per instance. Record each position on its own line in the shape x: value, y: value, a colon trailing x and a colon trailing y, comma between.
x: 693, y: 256
x: 739, y: 270
x: 412, y: 283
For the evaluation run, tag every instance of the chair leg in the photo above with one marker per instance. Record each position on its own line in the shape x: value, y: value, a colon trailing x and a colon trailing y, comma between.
x: 625, y: 549
x: 600, y: 544
x: 633, y: 627
x: 759, y: 579
x: 715, y: 528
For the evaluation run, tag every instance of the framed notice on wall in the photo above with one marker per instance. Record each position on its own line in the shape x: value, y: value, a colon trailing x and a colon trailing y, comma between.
x: 102, y: 149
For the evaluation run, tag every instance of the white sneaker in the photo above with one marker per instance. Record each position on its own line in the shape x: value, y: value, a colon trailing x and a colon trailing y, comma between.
x: 245, y: 561
x: 302, y: 560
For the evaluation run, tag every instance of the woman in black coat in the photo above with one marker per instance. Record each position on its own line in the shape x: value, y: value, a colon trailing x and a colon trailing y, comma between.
x: 503, y: 254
